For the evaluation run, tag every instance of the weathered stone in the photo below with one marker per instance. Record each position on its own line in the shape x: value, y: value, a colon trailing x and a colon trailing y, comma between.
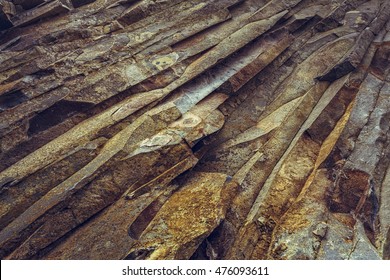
x: 190, y: 215
x: 232, y: 129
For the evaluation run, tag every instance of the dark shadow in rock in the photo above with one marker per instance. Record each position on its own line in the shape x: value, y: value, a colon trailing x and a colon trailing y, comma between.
x: 140, y: 254
x: 11, y: 99
x: 56, y: 114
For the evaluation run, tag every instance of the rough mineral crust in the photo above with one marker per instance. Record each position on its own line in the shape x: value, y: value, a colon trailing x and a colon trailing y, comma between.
x: 172, y: 129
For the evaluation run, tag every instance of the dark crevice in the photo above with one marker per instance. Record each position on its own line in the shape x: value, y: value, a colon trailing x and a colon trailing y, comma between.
x: 139, y: 254
x: 43, y: 72
x: 56, y: 114
x: 11, y: 99
x: 27, y: 5
x: 143, y: 220
x: 201, y: 252
x: 79, y: 3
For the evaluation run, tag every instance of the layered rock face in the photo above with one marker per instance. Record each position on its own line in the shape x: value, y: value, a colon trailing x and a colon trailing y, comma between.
x: 171, y: 129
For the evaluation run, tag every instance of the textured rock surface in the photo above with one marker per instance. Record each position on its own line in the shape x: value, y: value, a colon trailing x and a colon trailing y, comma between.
x: 170, y: 129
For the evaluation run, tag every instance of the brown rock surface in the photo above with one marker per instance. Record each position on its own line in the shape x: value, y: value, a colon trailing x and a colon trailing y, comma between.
x: 171, y: 129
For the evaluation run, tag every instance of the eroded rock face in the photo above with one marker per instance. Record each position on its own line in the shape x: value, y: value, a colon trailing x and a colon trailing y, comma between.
x: 194, y: 129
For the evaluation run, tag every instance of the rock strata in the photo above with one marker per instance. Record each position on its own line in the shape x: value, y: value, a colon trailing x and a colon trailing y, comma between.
x: 230, y: 129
